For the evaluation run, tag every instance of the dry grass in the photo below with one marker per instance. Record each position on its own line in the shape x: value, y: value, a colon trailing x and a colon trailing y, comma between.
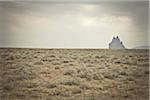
x: 69, y: 74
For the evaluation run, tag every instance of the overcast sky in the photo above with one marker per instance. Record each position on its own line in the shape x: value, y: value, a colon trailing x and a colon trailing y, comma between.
x: 89, y: 24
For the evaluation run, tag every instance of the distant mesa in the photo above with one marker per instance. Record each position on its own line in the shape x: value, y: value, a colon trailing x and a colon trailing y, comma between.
x: 116, y: 43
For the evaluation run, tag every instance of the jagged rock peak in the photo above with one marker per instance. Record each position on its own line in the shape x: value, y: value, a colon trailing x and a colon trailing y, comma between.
x: 116, y: 43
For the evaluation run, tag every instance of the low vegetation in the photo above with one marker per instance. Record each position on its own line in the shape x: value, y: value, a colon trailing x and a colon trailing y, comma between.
x: 74, y: 74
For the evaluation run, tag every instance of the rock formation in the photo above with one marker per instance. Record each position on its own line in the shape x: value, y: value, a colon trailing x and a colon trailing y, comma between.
x: 116, y: 44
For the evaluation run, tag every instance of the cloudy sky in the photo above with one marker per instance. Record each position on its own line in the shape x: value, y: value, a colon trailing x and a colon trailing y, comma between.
x: 88, y: 24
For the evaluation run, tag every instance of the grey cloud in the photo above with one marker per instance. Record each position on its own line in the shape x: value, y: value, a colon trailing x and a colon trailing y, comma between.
x: 137, y: 10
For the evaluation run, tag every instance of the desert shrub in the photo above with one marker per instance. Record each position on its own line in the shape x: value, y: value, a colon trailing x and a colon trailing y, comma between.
x: 110, y: 75
x: 90, y: 74
x: 97, y: 76
x: 100, y: 67
x: 57, y: 67
x: 128, y: 62
x: 146, y: 72
x: 76, y: 90
x: 143, y: 59
x: 35, y: 56
x: 8, y: 83
x: 52, y: 56
x: 117, y: 62
x: 70, y: 72
x: 23, y: 72
x: 84, y: 86
x: 123, y: 73
x: 93, y: 98
x: 98, y: 57
x: 24, y: 57
x: 130, y: 79
x: 55, y: 63
x: 20, y: 95
x: 29, y: 85
x: 74, y: 58
x: 47, y: 59
x: 10, y: 58
x: 38, y: 63
x: 114, y: 58
x: 130, y: 56
x: 65, y: 94
x: 107, y: 65
x: 85, y: 75
x: 7, y: 87
x: 60, y: 92
x: 72, y: 81
x: 55, y: 93
x: 90, y: 65
x: 71, y: 64
x: 65, y: 61
x: 51, y: 86
x: 44, y: 60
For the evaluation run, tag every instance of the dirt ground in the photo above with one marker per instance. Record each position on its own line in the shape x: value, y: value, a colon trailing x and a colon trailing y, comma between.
x: 74, y: 74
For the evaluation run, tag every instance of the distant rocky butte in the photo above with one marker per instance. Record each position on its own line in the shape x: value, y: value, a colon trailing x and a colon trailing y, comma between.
x: 116, y: 43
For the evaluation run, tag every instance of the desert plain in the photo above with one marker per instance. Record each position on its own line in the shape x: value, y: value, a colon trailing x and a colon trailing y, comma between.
x: 74, y: 74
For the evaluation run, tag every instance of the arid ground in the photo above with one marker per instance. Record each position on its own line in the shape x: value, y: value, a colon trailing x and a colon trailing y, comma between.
x: 74, y: 74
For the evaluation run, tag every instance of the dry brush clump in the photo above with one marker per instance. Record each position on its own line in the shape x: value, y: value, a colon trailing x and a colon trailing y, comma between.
x: 89, y: 74
x: 70, y: 81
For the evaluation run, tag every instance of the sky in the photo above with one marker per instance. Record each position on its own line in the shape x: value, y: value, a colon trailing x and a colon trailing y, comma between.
x: 73, y: 24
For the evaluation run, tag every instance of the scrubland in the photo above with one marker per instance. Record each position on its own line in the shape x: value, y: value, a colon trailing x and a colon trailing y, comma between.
x: 74, y: 74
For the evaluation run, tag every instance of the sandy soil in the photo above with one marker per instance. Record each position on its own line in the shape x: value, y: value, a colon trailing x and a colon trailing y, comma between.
x: 74, y: 74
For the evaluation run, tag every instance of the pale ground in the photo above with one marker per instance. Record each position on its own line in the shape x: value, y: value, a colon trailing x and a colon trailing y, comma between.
x: 74, y: 74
